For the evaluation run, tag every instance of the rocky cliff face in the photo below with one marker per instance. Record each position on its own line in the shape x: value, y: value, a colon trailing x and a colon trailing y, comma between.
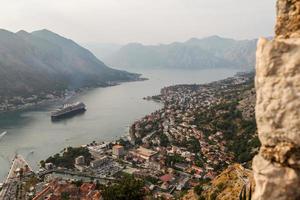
x: 277, y: 167
x: 288, y: 18
x: 228, y: 184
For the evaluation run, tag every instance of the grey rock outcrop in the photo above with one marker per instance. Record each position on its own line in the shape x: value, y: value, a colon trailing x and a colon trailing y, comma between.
x: 277, y: 167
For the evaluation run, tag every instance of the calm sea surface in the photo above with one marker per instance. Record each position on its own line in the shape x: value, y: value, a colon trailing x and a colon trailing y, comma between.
x: 109, y: 113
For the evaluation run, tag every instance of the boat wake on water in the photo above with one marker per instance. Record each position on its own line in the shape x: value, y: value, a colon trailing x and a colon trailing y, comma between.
x: 2, y: 135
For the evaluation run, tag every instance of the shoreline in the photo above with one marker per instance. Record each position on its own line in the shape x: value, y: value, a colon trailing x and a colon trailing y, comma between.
x: 123, y: 134
x: 130, y: 136
x: 64, y: 95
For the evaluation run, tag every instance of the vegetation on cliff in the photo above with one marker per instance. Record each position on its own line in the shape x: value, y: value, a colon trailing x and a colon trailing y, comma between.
x: 227, y: 117
x: 128, y: 188
x: 234, y: 116
x: 226, y: 185
x: 67, y: 158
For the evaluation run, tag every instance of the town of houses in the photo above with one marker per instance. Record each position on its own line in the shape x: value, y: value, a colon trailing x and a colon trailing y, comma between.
x: 165, y: 148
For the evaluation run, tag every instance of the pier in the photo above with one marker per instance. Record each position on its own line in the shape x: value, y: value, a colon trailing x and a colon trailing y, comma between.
x: 9, y: 187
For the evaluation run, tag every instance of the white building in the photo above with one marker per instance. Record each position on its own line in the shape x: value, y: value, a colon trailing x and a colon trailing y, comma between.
x: 143, y: 153
x: 49, y: 166
x: 99, y: 162
x: 79, y: 160
x: 118, y: 151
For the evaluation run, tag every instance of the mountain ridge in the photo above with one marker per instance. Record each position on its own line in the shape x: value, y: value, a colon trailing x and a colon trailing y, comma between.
x: 209, y: 52
x: 43, y: 60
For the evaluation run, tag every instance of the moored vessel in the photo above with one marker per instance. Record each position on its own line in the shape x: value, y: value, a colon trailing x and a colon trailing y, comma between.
x: 68, y: 110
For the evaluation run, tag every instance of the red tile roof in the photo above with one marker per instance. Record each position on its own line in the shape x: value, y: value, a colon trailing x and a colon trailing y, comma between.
x: 166, y: 178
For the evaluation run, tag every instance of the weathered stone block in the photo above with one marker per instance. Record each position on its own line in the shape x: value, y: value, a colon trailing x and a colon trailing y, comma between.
x: 277, y: 167
x: 288, y: 19
x: 274, y: 181
x: 278, y: 91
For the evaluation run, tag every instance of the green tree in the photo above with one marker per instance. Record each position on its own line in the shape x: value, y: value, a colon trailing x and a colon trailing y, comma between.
x: 67, y: 159
x: 65, y: 196
x: 42, y: 163
x: 198, y: 189
x: 164, y: 141
x: 127, y: 189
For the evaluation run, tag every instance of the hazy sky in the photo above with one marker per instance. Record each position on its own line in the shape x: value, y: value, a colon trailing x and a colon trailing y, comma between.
x: 146, y: 21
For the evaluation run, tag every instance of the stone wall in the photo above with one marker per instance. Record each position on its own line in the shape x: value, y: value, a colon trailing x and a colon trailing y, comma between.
x: 277, y: 167
x: 288, y: 18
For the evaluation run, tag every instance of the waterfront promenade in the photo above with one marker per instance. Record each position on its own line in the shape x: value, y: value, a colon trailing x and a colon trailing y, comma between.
x: 18, y: 166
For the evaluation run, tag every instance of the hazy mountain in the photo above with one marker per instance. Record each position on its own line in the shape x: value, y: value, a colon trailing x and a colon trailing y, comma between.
x: 102, y: 50
x: 210, y: 52
x: 43, y: 60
